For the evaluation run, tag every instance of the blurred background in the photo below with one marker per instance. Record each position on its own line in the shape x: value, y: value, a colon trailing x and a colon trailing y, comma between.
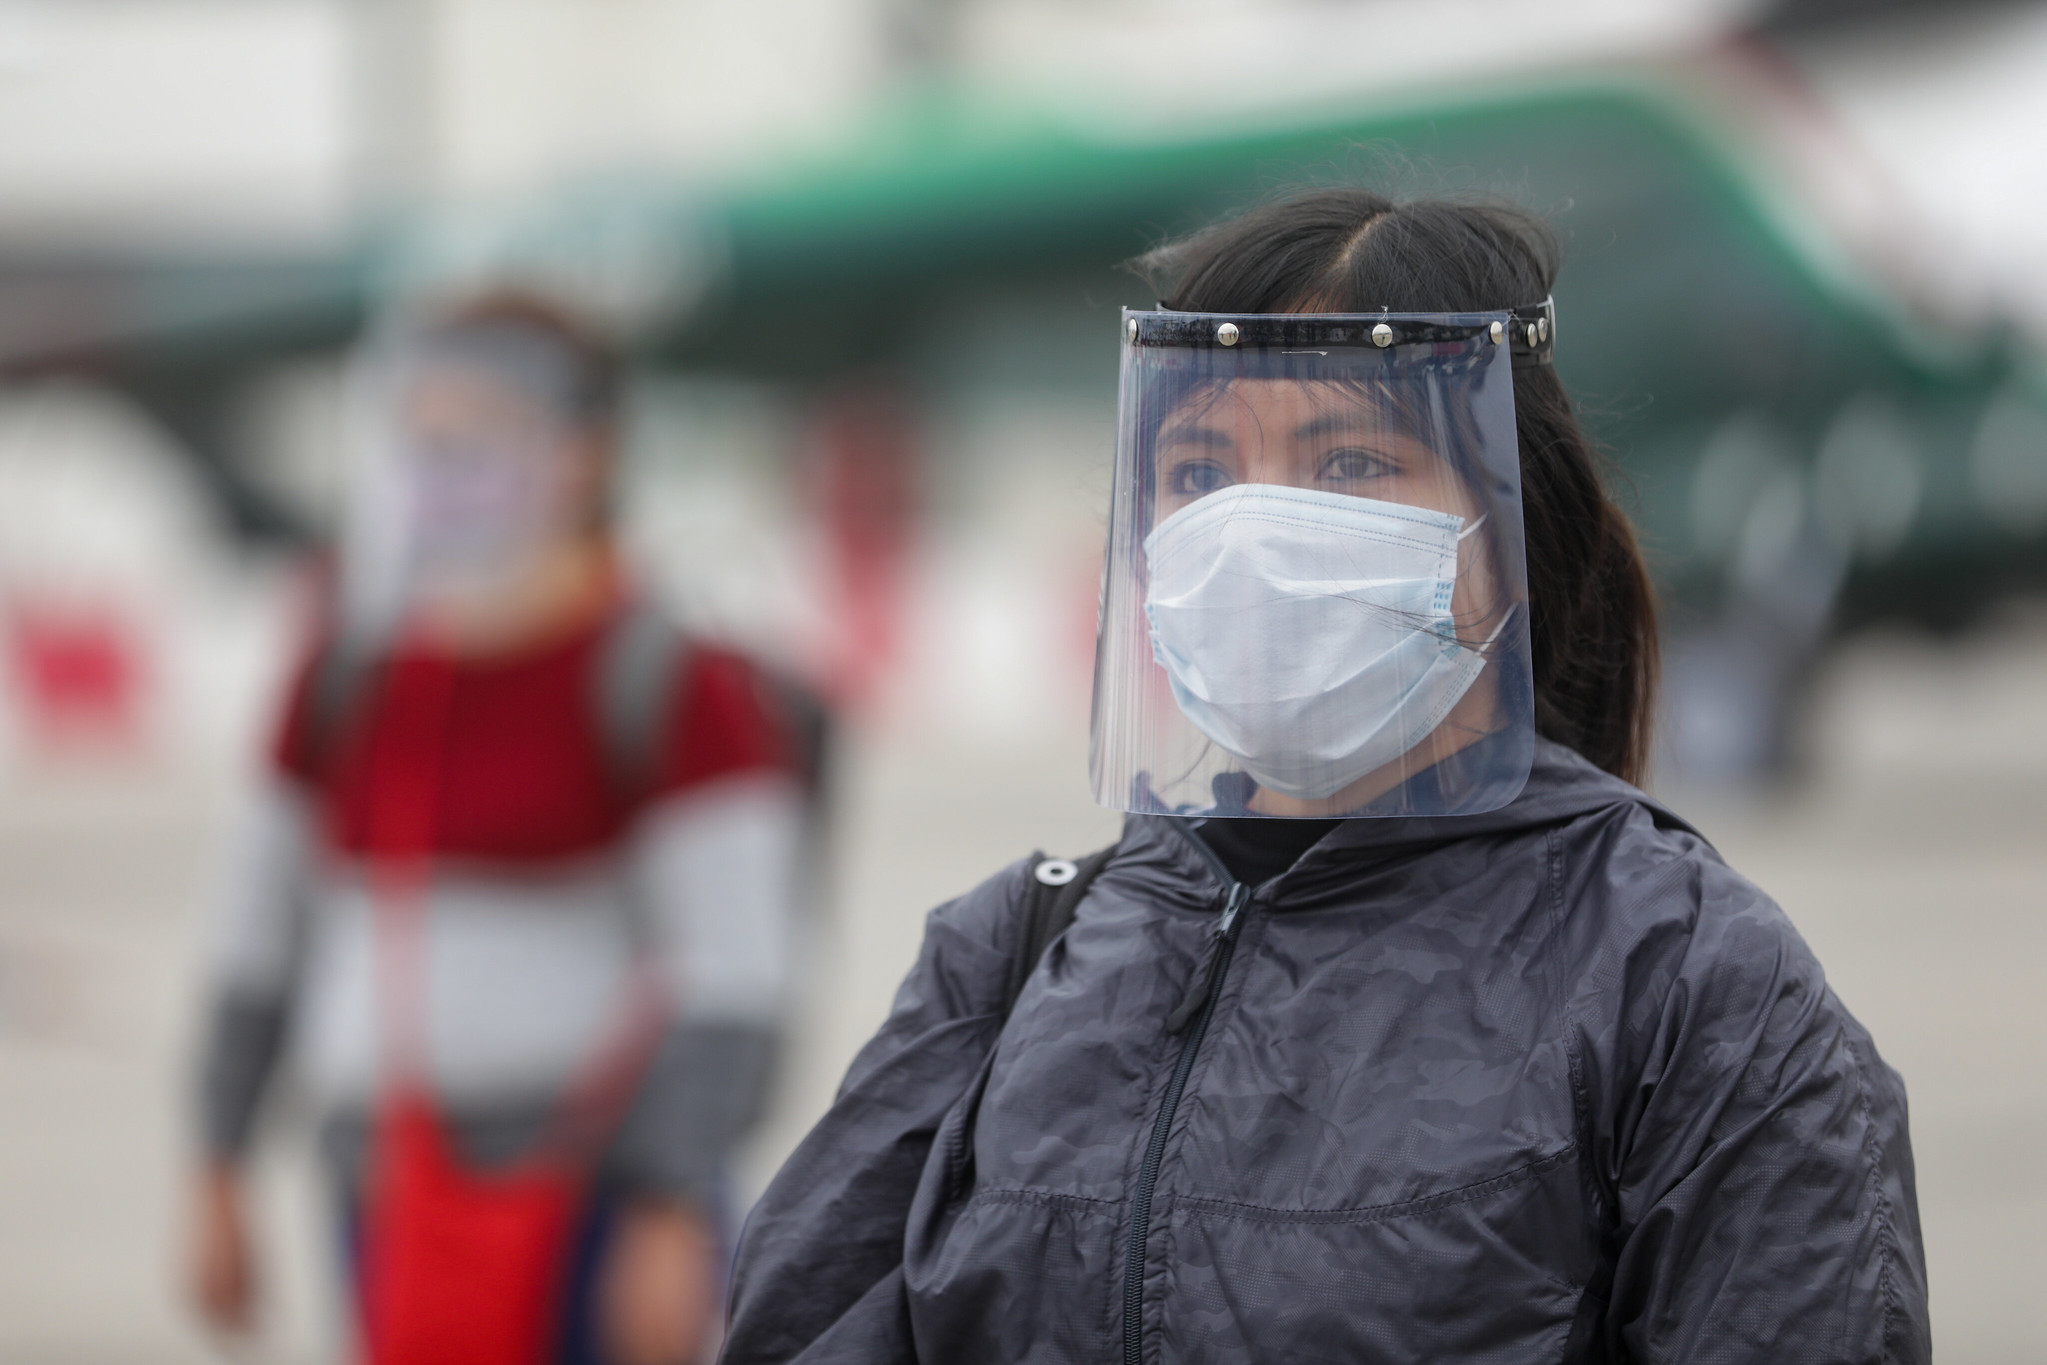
x: 864, y: 255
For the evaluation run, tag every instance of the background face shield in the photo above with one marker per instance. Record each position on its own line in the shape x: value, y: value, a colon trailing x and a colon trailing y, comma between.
x: 1315, y: 598
x: 467, y: 480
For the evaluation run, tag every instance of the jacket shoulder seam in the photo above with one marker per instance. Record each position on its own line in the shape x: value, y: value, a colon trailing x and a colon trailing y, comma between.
x: 994, y: 928
x: 1052, y: 1199
x: 1872, y: 1151
x: 1575, y: 1062
x: 1374, y: 1213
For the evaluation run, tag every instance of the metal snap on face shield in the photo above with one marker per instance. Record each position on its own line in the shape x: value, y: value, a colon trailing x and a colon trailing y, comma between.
x: 1315, y: 597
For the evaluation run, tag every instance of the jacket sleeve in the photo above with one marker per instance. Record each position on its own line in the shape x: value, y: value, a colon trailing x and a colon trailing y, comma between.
x: 257, y: 946
x: 1755, y: 1148
x: 819, y: 1273
x: 717, y: 873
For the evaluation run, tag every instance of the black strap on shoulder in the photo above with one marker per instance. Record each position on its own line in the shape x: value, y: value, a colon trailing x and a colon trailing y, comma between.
x: 1056, y: 889
x: 642, y: 654
x: 632, y: 688
x: 810, y: 730
x: 633, y: 684
x: 340, y: 677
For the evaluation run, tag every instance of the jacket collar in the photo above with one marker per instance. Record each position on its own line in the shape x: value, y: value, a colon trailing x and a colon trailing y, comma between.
x: 1561, y: 786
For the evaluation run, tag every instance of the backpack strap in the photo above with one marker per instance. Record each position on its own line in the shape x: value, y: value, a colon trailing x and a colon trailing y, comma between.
x: 641, y: 656
x: 639, y: 663
x: 1056, y: 889
x: 341, y: 673
x: 810, y: 732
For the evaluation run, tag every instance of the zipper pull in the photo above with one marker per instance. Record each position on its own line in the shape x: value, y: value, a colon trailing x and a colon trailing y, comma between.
x: 1203, y: 984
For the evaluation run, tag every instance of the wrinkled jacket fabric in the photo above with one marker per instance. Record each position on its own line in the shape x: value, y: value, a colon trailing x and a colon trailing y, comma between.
x: 1546, y: 1084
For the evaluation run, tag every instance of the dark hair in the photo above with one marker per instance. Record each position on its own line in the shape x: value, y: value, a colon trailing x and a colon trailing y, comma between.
x: 1592, y: 612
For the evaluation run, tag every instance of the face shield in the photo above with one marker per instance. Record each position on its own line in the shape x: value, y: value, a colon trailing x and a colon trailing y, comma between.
x: 474, y: 471
x: 1315, y: 597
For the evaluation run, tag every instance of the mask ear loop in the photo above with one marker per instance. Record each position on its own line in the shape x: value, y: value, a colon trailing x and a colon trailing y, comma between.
x: 1483, y: 645
x: 1486, y: 644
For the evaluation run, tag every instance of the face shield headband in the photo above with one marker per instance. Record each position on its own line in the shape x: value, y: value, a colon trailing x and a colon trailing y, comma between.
x: 525, y: 359
x: 1314, y: 595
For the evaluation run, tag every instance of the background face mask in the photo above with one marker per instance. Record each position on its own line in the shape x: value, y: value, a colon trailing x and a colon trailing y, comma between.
x: 481, y: 509
x: 1309, y: 634
x: 485, y: 485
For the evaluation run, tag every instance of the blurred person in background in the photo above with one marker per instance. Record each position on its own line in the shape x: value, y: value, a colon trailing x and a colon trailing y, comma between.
x: 1398, y: 1024
x: 515, y: 895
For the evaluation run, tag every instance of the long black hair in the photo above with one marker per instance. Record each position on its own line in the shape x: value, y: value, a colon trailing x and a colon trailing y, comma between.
x: 1592, y: 611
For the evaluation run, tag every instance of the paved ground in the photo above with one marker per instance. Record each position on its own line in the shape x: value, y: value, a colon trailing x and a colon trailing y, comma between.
x: 1914, y: 860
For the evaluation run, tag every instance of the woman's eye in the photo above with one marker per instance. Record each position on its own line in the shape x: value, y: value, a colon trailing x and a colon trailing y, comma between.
x: 1352, y: 464
x: 1198, y: 478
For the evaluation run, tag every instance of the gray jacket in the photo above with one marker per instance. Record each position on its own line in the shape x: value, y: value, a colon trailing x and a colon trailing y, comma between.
x: 1546, y: 1084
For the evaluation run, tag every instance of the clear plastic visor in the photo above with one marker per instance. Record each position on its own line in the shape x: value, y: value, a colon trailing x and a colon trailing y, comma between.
x: 1314, y: 602
x: 467, y: 473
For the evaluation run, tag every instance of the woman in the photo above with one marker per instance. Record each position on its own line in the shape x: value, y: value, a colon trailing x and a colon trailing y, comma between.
x: 519, y: 891
x: 1398, y: 1025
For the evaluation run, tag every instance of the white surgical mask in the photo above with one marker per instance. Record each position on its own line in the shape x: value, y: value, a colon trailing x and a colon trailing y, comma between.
x: 483, y: 511
x: 1309, y: 634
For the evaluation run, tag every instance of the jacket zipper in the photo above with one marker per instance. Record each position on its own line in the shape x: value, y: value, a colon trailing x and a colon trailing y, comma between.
x: 1222, y: 944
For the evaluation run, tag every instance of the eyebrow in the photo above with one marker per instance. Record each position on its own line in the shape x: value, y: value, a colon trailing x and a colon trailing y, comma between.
x: 1326, y: 424
x: 1189, y: 435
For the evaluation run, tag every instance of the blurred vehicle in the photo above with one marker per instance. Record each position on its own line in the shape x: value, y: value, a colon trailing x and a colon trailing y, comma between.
x: 1813, y: 445
x: 1818, y: 433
